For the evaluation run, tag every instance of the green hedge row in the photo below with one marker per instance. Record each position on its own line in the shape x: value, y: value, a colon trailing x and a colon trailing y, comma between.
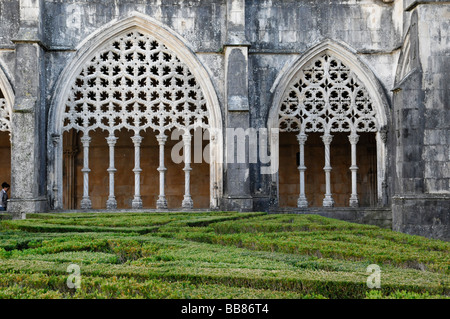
x: 215, y: 254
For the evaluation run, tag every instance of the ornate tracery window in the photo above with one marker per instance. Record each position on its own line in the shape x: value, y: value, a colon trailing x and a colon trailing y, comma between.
x: 327, y: 97
x: 135, y: 82
x: 5, y: 114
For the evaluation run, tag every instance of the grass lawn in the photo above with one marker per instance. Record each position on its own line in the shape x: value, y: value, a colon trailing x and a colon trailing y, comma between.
x: 214, y: 256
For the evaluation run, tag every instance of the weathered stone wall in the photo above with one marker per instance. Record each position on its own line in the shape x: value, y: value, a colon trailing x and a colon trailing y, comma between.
x: 403, y: 44
x: 9, y: 26
x: 422, y: 117
x: 281, y: 31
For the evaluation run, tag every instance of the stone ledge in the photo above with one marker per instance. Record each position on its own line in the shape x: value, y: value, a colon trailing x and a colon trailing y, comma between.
x: 379, y: 216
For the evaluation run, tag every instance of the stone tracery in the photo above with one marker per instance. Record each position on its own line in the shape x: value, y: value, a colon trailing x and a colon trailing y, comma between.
x: 134, y: 82
x: 326, y: 96
x: 5, y: 115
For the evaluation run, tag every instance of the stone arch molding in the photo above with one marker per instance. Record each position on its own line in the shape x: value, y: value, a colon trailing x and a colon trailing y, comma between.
x: 344, y: 120
x: 207, y: 114
x: 6, y: 103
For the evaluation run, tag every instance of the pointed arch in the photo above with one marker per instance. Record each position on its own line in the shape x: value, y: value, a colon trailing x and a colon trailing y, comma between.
x: 350, y: 59
x: 362, y: 73
x: 6, y: 102
x: 6, y: 108
x: 88, y: 49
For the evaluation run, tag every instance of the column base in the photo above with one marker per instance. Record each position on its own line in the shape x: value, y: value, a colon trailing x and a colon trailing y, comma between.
x: 161, y: 203
x: 111, y: 203
x: 302, y: 202
x: 86, y: 203
x: 187, y: 203
x: 136, y: 203
x: 235, y: 203
x: 328, y: 201
x: 19, y: 207
x: 354, y: 202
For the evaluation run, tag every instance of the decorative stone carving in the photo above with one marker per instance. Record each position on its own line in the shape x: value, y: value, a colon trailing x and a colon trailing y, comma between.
x: 302, y: 200
x: 5, y: 116
x: 135, y: 83
x: 326, y: 96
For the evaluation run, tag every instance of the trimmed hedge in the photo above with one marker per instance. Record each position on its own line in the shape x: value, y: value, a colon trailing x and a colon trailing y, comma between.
x: 215, y: 255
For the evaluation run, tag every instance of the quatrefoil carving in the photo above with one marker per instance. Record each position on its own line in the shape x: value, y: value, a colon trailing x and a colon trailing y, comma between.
x: 326, y: 96
x: 135, y: 82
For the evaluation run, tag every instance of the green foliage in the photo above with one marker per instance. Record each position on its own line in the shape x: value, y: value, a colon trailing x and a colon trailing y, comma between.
x: 402, y: 294
x: 215, y: 255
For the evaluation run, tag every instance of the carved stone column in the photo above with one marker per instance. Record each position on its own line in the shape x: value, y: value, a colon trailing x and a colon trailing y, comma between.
x: 111, y: 203
x: 328, y: 200
x: 353, y: 138
x: 137, y: 201
x: 302, y: 201
x: 86, y: 201
x: 161, y: 203
x: 187, y: 201
x: 28, y: 138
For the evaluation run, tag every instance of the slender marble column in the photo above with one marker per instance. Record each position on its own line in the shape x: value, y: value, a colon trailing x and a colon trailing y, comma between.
x: 161, y: 203
x: 111, y: 203
x: 353, y: 138
x: 302, y: 201
x: 137, y: 201
x: 187, y: 200
x: 86, y: 201
x: 328, y: 200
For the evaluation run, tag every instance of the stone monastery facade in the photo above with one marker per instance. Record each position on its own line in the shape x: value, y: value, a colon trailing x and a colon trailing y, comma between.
x: 337, y: 107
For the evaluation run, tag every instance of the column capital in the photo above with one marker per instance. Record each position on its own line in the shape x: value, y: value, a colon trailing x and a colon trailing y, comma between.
x: 327, y: 138
x: 137, y: 139
x: 111, y: 139
x: 162, y: 138
x: 187, y: 137
x: 353, y: 138
x: 85, y: 140
x: 302, y: 137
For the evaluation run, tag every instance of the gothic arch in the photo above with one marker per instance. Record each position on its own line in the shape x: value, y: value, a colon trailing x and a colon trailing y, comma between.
x: 149, y: 35
x: 6, y: 106
x: 6, y: 102
x: 327, y: 120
